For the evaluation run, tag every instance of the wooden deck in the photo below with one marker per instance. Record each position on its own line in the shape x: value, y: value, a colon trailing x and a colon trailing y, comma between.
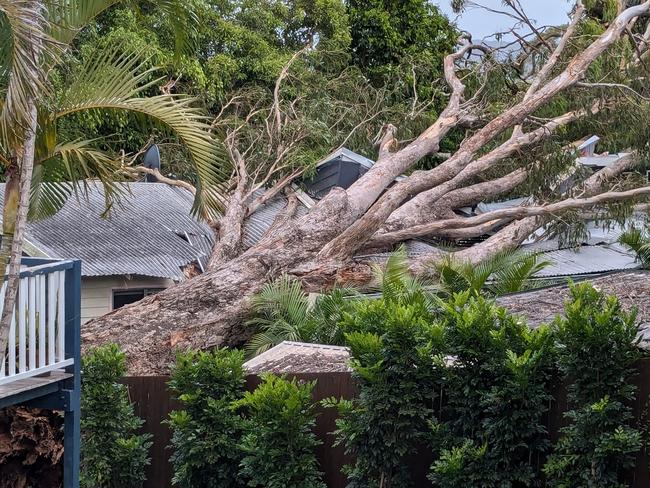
x: 24, y: 386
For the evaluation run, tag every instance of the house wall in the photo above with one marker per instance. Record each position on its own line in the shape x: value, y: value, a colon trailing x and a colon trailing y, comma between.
x: 97, y: 292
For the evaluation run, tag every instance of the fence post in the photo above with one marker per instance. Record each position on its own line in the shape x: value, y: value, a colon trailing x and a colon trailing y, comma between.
x: 72, y: 433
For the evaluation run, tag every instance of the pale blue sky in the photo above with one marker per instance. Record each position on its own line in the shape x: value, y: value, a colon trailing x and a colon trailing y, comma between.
x: 481, y: 23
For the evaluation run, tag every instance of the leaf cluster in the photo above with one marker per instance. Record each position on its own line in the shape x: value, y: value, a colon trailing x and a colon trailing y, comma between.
x: 113, y: 454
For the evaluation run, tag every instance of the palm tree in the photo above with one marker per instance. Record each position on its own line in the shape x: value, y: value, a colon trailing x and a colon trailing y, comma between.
x: 34, y: 37
x: 638, y: 241
x: 506, y: 272
x: 282, y: 311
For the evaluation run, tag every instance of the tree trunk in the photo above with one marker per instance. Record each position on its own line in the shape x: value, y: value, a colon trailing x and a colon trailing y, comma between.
x: 17, y: 193
x: 210, y: 310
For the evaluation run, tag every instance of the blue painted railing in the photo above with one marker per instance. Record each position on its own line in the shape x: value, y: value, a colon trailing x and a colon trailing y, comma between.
x: 45, y: 338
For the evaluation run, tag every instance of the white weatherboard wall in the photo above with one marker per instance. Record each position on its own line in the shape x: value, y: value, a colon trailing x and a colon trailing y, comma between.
x: 97, y: 292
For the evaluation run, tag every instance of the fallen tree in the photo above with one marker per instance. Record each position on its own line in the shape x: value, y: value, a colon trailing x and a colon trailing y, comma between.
x: 327, y: 245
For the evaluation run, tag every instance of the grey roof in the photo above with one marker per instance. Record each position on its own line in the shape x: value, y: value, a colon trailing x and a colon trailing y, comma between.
x: 601, y: 161
x: 149, y: 232
x: 348, y: 155
x: 542, y: 305
x: 262, y: 219
x: 300, y: 357
x: 587, y: 260
x: 484, y: 207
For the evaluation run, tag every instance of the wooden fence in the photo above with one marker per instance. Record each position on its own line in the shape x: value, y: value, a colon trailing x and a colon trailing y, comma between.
x: 153, y: 402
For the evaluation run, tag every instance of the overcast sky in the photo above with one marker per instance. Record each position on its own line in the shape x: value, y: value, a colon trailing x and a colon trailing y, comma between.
x: 481, y: 23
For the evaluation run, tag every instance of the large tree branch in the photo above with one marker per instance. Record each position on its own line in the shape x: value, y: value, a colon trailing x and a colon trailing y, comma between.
x: 515, y: 233
x: 507, y: 213
x: 357, y: 233
x: 363, y: 193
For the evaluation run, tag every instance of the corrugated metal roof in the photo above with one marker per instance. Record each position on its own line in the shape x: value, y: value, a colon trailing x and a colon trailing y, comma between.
x: 587, y: 260
x: 149, y: 232
x: 262, y: 219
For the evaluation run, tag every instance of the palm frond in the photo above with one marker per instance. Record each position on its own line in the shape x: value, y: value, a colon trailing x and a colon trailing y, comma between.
x: 68, y: 170
x: 505, y: 272
x: 280, y: 310
x: 113, y: 80
x: 24, y: 41
x: 68, y: 17
x: 516, y: 272
x: 638, y: 241
x: 184, y: 23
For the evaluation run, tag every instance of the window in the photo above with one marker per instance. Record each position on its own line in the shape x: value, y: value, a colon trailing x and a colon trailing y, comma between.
x: 124, y: 297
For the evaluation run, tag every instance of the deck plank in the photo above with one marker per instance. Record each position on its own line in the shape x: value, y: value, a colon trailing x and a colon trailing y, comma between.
x: 21, y: 386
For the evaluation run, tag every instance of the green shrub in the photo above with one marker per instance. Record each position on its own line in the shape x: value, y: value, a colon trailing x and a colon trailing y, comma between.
x: 207, y: 431
x: 497, y: 393
x: 279, y: 443
x: 597, y: 344
x: 397, y: 373
x: 112, y: 454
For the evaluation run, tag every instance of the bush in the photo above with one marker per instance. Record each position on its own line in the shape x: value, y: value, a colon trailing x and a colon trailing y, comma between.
x: 497, y: 393
x: 597, y: 344
x: 397, y: 379
x: 112, y: 454
x: 279, y: 443
x: 207, y: 431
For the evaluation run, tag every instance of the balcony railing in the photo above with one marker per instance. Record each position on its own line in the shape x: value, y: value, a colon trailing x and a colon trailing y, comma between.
x: 44, y: 335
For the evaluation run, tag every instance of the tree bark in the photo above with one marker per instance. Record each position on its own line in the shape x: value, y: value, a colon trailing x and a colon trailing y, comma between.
x: 320, y: 249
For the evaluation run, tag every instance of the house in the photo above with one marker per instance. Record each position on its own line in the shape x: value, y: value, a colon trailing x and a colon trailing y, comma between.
x: 141, y: 246
x: 148, y: 240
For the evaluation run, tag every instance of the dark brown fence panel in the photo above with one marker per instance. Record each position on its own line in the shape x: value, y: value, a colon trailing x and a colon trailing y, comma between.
x: 153, y: 402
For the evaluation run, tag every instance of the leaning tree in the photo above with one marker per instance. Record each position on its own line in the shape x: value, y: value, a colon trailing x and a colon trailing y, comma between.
x: 516, y: 109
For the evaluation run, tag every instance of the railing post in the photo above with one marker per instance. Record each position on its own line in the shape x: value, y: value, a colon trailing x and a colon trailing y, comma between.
x: 72, y: 435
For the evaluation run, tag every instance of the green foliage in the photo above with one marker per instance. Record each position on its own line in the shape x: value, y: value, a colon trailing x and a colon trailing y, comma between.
x: 390, y: 418
x: 388, y: 35
x: 638, y: 241
x: 206, y: 432
x: 597, y: 346
x: 497, y: 390
x: 505, y: 272
x: 283, y: 313
x: 278, y: 444
x: 113, y: 455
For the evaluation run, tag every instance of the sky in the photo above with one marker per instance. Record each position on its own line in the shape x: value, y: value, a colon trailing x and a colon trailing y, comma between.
x: 481, y: 23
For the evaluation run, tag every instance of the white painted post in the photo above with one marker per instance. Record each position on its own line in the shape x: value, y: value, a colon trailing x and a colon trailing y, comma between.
x: 22, y: 326
x: 42, y: 359
x: 31, y: 313
x: 61, y: 316
x: 52, y: 283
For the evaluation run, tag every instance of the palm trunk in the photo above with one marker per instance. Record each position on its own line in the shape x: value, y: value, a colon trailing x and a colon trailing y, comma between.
x: 14, y: 215
x: 16, y: 207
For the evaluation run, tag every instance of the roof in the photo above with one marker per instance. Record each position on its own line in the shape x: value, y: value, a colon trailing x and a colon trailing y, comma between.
x: 263, y: 218
x: 350, y: 156
x: 587, y: 260
x: 601, y: 161
x: 149, y: 232
x: 544, y: 304
x: 300, y: 357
